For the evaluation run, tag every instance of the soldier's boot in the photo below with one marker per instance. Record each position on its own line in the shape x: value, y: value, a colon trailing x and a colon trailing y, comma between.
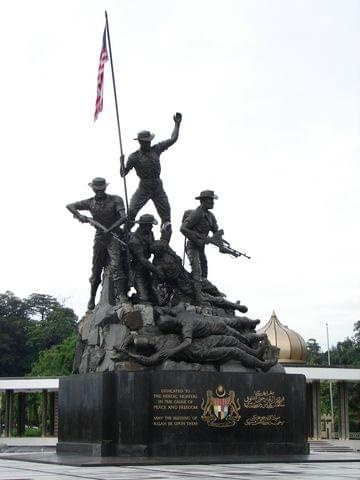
x: 120, y: 293
x: 199, y: 298
x: 91, y: 302
x: 240, y: 308
x: 166, y: 231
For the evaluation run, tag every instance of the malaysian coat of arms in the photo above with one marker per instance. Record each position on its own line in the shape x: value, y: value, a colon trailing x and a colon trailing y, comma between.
x: 220, y: 409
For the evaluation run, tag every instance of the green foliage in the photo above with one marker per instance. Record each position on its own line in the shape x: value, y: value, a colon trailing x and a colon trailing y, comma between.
x: 52, y: 329
x: 33, y: 432
x: 56, y: 361
x: 14, y: 324
x: 345, y: 353
x: 29, y: 326
x: 39, y: 305
x: 314, y: 356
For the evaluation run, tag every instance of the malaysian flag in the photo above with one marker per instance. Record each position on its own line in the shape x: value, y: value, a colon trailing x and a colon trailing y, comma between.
x: 100, y: 79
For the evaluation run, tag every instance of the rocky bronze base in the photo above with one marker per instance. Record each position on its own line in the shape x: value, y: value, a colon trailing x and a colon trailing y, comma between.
x: 177, y: 414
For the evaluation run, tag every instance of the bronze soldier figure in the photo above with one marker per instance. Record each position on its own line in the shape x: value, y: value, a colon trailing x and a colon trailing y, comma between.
x: 191, y: 325
x: 176, y: 277
x: 213, y: 348
x: 146, y: 162
x: 108, y: 213
x: 196, y: 227
x: 139, y: 245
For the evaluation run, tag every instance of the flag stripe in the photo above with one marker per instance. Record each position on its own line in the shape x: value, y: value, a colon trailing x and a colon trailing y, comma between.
x: 100, y: 79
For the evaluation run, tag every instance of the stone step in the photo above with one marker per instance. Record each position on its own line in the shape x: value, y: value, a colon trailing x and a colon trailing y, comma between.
x: 326, y: 446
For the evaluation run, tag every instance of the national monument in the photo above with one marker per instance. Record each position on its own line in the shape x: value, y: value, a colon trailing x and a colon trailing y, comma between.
x: 166, y: 365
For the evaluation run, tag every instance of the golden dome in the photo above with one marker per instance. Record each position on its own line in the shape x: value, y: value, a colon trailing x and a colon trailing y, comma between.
x: 291, y: 344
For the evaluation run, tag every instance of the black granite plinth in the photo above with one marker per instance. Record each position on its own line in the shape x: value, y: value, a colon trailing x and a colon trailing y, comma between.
x: 178, y: 414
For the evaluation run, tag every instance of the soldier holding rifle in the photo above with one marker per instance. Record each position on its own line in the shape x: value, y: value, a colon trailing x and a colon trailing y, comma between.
x: 196, y: 226
x: 108, y: 213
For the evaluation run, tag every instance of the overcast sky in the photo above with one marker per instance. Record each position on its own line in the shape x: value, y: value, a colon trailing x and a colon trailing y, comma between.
x: 270, y: 96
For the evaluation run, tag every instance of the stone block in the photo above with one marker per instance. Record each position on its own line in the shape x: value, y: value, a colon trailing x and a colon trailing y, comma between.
x: 147, y: 313
x: 123, y: 310
x: 104, y: 314
x: 107, y: 363
x: 114, y: 336
x: 85, y: 325
x: 84, y: 363
x: 129, y: 365
x: 94, y: 338
x: 185, y: 366
x: 96, y: 355
x: 187, y: 414
x: 234, y: 366
x: 134, y: 320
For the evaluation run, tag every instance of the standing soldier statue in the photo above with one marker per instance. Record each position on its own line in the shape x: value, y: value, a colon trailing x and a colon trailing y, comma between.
x: 196, y: 227
x: 108, y: 213
x: 146, y: 162
x: 140, y: 244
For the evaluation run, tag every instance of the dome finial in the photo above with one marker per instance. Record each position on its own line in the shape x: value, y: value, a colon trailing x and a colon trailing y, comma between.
x: 291, y: 344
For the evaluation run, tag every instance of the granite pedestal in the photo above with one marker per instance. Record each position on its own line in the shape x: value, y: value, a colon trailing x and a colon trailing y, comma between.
x: 177, y: 414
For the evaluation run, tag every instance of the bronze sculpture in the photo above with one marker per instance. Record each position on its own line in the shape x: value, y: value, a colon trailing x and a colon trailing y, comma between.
x: 174, y: 276
x: 108, y: 214
x: 146, y: 162
x: 196, y: 227
x: 140, y: 243
x: 186, y: 310
x: 210, y: 349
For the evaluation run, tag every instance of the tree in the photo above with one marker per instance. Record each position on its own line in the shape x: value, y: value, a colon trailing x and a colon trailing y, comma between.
x: 14, y: 324
x: 39, y: 306
x: 57, y: 360
x: 315, y: 355
x: 357, y: 333
x: 29, y: 326
x: 52, y: 329
x: 347, y: 352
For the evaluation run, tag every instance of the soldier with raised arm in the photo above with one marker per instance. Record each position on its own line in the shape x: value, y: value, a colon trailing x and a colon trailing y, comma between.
x: 108, y: 213
x: 146, y: 162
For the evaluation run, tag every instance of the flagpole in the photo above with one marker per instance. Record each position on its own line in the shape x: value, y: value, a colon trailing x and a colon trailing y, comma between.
x: 330, y: 384
x: 117, y: 112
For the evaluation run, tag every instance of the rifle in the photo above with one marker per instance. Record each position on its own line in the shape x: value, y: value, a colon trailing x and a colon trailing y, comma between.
x: 96, y: 224
x: 224, y: 246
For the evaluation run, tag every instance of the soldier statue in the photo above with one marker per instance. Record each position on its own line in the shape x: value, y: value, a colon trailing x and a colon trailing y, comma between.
x: 196, y: 227
x: 108, y: 213
x: 140, y: 243
x: 146, y: 162
x: 175, y: 277
x: 213, y: 348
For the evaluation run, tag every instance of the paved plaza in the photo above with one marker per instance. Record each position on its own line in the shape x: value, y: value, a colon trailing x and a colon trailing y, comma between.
x: 19, y: 470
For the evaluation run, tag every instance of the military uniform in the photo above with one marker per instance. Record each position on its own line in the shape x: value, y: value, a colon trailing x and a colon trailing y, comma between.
x: 199, y: 222
x: 139, y: 246
x: 148, y: 168
x: 106, y: 210
x: 146, y: 162
x: 176, y: 277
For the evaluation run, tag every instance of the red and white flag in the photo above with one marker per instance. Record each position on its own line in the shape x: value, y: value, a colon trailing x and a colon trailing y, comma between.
x: 100, y: 79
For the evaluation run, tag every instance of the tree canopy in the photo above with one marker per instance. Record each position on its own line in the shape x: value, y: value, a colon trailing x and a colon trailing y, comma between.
x: 29, y: 326
x: 57, y: 360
